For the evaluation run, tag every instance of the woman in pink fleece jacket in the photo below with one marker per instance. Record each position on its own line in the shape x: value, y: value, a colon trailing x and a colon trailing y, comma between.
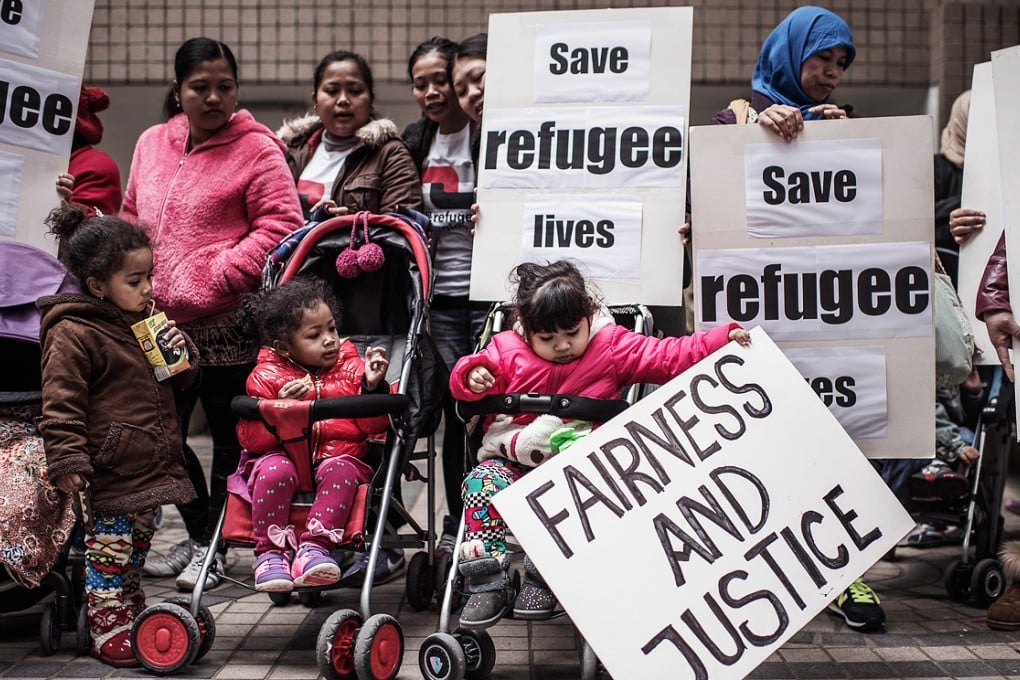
x: 564, y: 343
x: 214, y: 186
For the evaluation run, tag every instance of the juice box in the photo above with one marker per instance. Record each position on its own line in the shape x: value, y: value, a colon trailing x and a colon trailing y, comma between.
x: 165, y: 360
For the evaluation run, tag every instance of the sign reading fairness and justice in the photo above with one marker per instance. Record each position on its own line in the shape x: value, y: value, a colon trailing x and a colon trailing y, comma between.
x: 735, y: 550
x: 584, y: 155
x: 42, y: 51
x: 826, y: 243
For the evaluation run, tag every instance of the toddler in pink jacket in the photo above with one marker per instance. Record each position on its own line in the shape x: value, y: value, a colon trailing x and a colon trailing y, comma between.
x: 563, y: 343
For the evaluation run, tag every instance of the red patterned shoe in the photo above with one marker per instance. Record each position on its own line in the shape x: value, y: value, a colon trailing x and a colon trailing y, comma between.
x: 110, y: 628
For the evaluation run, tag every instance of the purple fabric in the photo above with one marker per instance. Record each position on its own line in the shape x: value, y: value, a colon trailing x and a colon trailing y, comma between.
x: 26, y: 274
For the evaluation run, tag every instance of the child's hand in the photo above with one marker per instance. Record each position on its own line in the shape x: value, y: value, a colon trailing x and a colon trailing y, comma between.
x: 376, y: 364
x: 296, y: 389
x: 969, y: 455
x: 174, y: 336
x: 480, y: 379
x: 742, y: 337
x: 69, y: 483
x: 65, y: 183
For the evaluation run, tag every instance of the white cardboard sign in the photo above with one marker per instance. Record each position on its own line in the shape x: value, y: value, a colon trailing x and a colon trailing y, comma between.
x: 11, y: 170
x: 599, y: 110
x: 737, y: 549
x: 19, y: 27
x: 37, y: 107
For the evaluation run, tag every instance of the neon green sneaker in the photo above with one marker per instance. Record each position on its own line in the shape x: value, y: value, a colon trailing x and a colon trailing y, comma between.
x: 859, y: 606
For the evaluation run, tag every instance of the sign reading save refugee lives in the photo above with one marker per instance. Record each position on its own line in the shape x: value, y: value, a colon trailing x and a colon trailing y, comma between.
x: 739, y: 504
x: 826, y: 243
x: 42, y: 51
x: 583, y: 150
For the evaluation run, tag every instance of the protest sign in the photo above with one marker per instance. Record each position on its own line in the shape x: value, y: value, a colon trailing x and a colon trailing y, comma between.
x: 42, y: 53
x: 739, y: 505
x: 595, y: 120
x: 828, y: 251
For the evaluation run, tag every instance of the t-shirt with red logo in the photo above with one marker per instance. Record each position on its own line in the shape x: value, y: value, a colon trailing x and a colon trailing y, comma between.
x: 447, y: 186
x: 318, y: 176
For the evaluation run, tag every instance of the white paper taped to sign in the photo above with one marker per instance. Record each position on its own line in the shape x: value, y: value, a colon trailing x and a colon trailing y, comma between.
x: 736, y: 549
x: 19, y: 27
x: 821, y: 188
x: 850, y: 381
x: 37, y: 107
x: 601, y: 233
x: 594, y: 147
x: 596, y: 61
x: 880, y: 290
x: 11, y: 166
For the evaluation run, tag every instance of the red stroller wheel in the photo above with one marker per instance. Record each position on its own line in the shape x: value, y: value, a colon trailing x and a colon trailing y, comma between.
x: 334, y: 649
x: 379, y: 648
x: 165, y: 638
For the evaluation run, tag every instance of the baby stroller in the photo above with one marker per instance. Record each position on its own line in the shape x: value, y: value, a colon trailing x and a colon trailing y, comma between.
x: 457, y: 653
x: 382, y: 308
x: 36, y: 546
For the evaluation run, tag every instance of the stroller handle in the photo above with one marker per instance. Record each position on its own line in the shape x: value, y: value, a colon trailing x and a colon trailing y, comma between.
x: 358, y: 406
x: 562, y: 405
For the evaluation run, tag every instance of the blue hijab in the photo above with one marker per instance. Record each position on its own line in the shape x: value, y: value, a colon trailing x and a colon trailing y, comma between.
x: 805, y: 31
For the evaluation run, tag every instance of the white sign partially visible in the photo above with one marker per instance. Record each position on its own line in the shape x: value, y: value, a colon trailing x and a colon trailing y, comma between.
x: 19, y: 26
x: 734, y: 551
x: 820, y: 188
x: 10, y: 169
x: 850, y: 381
x: 820, y: 293
x: 37, y: 107
x: 601, y: 233
x: 593, y: 61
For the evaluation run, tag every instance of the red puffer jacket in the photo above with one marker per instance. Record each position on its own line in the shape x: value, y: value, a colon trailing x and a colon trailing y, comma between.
x: 993, y: 291
x: 333, y: 437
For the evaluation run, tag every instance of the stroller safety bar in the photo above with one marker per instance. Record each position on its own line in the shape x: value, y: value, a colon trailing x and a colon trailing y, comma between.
x: 360, y: 406
x: 560, y: 405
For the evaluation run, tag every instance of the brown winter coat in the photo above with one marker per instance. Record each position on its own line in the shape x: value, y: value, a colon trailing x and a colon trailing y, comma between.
x: 105, y: 416
x: 379, y: 175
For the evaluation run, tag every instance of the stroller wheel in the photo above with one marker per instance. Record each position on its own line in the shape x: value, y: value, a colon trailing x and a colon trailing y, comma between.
x: 442, y: 658
x: 379, y: 648
x: 165, y: 638
x: 957, y: 580
x: 334, y: 650
x: 279, y: 599
x: 479, y: 652
x: 987, y: 582
x: 206, y: 625
x: 50, y: 630
x: 309, y: 598
x: 82, y: 637
x: 420, y: 582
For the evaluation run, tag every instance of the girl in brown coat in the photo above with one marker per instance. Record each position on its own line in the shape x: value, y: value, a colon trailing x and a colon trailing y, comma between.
x: 109, y: 426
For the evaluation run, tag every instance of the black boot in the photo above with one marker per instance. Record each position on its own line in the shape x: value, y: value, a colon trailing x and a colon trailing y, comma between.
x: 488, y: 584
x: 535, y: 601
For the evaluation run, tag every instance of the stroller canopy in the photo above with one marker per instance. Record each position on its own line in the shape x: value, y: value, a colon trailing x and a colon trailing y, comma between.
x: 26, y: 274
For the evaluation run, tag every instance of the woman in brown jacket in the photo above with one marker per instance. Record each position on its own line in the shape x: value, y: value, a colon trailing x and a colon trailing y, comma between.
x: 109, y: 426
x: 343, y: 158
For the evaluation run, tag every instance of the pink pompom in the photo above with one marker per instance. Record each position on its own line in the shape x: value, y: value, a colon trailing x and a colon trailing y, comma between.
x: 370, y: 257
x: 347, y: 264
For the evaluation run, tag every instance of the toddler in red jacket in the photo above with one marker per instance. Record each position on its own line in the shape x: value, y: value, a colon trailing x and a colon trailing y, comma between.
x: 303, y: 357
x: 564, y: 342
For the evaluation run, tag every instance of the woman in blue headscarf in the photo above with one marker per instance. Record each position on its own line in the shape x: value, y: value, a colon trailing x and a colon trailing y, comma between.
x: 801, y: 63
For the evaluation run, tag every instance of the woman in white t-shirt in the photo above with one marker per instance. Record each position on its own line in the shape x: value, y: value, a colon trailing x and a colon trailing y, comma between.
x: 444, y: 145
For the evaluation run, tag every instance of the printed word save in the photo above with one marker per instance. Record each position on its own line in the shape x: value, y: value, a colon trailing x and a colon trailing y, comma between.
x: 587, y: 59
x: 817, y: 186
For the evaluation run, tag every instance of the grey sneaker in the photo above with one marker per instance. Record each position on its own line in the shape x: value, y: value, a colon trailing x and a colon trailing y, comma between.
x: 173, y: 562
x: 491, y: 592
x: 535, y: 601
x: 189, y: 577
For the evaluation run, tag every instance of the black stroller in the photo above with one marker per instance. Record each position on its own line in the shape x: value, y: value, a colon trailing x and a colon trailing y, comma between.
x: 387, y: 308
x: 36, y: 547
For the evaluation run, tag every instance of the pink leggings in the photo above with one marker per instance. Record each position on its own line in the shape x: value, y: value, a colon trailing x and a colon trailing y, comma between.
x: 272, y: 484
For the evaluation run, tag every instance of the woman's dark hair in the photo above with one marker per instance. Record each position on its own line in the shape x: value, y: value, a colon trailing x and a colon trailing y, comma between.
x: 345, y: 55
x: 551, y: 297
x: 94, y: 246
x: 192, y: 53
x: 473, y: 46
x: 446, y: 48
x: 274, y: 314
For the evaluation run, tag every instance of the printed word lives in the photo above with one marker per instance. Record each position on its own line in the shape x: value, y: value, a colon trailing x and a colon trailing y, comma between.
x: 11, y: 11
x: 595, y: 150
x: 716, y: 627
x: 831, y: 295
x: 817, y: 186
x: 687, y: 428
x: 551, y: 232
x: 839, y: 391
x: 25, y: 107
x: 586, y: 59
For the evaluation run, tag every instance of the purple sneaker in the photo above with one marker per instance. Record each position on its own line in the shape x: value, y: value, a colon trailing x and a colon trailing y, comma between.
x: 272, y: 573
x: 313, y: 566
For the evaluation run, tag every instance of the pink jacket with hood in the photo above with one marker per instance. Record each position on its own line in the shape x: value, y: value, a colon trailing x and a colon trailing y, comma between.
x: 215, y: 211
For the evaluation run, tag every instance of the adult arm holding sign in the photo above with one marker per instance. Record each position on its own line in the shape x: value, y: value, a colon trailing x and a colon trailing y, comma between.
x: 993, y: 307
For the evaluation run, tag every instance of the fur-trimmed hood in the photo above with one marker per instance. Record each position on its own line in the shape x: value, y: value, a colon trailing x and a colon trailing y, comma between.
x: 1009, y: 555
x: 299, y: 131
